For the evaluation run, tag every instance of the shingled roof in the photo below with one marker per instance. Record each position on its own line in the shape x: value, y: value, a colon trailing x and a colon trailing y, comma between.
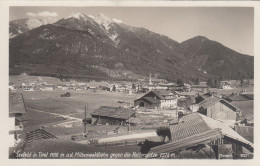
x: 184, y: 143
x: 196, y: 123
x: 212, y: 100
x: 16, y: 103
x: 188, y: 125
x: 114, y: 112
x: 151, y: 100
x: 194, y: 129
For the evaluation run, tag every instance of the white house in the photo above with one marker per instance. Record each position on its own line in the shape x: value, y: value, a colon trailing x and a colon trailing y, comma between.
x: 225, y: 85
x: 154, y: 99
x: 169, y: 100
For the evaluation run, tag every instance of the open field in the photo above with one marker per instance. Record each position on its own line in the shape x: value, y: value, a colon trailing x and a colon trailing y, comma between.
x: 18, y: 80
x: 47, y: 109
x: 50, y: 101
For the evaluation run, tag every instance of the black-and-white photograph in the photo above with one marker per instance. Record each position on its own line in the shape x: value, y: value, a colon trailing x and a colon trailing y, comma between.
x: 107, y: 82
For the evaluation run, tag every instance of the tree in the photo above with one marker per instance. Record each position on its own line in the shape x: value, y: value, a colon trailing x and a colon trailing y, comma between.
x: 189, y: 101
x: 217, y: 83
x: 241, y: 82
x: 213, y: 83
x: 197, y: 81
x: 164, y: 132
x: 114, y: 88
x: 133, y: 86
x: 180, y: 82
x: 210, y: 82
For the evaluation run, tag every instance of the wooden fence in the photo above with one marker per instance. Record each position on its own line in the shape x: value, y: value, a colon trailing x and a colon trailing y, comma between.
x: 35, y: 135
x: 120, y: 143
x: 38, y: 134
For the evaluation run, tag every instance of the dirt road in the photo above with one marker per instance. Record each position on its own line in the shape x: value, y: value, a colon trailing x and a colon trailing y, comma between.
x: 64, y: 116
x: 128, y: 136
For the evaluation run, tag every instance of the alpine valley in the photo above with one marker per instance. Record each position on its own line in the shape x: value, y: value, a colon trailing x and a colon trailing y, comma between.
x: 97, y: 47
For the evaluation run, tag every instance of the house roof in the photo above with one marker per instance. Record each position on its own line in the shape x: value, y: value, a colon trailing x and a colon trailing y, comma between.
x: 212, y: 100
x: 246, y: 131
x: 151, y: 100
x: 246, y: 107
x: 225, y: 129
x: 225, y: 82
x: 16, y: 103
x: 250, y: 96
x: 194, y: 129
x: 200, y: 138
x: 156, y: 93
x: 160, y: 94
x: 208, y: 102
x: 114, y: 112
x: 190, y: 93
x: 189, y: 125
x: 243, y: 97
x: 165, y: 93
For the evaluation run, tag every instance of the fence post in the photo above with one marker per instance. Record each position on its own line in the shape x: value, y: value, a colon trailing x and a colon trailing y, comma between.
x: 125, y: 142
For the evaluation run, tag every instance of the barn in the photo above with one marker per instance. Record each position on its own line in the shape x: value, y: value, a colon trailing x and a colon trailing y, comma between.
x: 17, y: 118
x: 157, y: 99
x: 112, y: 115
x: 17, y: 108
x: 218, y: 108
x: 196, y: 133
x: 147, y: 102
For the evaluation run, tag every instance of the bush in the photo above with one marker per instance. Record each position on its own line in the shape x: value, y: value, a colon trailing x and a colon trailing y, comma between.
x: 164, y: 132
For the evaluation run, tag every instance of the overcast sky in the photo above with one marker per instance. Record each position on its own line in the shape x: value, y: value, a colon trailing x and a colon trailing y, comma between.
x: 231, y: 26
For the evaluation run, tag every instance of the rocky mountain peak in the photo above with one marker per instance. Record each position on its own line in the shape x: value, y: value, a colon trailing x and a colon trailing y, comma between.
x: 77, y: 16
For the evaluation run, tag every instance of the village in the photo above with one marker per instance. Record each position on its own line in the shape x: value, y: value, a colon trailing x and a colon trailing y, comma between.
x: 147, y: 116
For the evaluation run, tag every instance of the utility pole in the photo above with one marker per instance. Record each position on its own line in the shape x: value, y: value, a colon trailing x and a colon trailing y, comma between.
x: 85, y: 121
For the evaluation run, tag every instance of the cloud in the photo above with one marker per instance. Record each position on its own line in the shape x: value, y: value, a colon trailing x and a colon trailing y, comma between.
x: 42, y: 14
x: 31, y: 14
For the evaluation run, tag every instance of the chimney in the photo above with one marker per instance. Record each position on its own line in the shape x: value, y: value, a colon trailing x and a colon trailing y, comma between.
x: 180, y: 115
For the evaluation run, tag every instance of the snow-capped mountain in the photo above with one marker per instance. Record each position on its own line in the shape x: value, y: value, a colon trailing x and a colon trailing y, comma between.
x: 20, y: 26
x: 98, y: 46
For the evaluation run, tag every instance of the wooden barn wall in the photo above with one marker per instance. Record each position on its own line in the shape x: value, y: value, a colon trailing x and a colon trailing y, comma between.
x: 110, y: 121
x: 236, y: 146
x: 221, y: 111
x: 246, y: 131
x: 146, y: 104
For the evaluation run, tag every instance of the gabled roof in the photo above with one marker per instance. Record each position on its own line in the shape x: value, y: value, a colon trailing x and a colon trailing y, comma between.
x: 194, y: 129
x: 151, y: 100
x: 114, y: 112
x: 225, y: 129
x: 160, y: 94
x: 16, y: 103
x: 212, y: 100
x: 156, y: 94
x: 210, y: 94
x: 194, y: 140
x: 208, y: 102
x: 188, y: 125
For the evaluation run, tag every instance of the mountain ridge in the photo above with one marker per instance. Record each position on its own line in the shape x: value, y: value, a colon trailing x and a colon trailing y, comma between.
x: 114, y: 49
